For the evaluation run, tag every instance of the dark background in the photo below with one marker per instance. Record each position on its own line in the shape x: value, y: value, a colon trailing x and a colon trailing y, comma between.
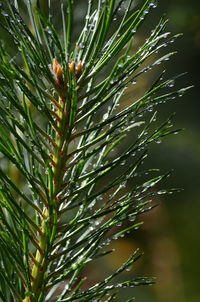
x: 170, y: 235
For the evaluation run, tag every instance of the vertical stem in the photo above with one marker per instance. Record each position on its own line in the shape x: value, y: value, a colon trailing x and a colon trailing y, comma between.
x: 59, y: 159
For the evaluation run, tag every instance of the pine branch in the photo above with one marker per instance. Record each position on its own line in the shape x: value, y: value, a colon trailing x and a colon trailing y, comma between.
x: 63, y: 112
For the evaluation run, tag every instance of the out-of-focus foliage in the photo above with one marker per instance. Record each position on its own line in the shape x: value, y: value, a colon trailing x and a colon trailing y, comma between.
x: 177, y: 268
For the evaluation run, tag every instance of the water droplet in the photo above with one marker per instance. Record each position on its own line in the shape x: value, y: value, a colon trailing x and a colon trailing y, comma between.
x: 161, y: 192
x: 153, y: 4
x: 132, y: 218
x: 158, y: 141
x: 180, y: 92
x: 171, y: 83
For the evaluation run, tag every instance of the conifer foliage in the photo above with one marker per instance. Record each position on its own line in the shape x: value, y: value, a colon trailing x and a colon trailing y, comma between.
x: 64, y: 188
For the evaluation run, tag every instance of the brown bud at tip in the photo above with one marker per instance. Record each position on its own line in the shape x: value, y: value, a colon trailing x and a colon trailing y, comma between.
x: 71, y: 66
x: 57, y: 68
x: 79, y: 70
x: 59, y: 74
x: 55, y: 65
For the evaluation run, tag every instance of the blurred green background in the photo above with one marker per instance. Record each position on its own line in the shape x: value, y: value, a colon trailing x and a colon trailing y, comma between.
x: 169, y: 237
x: 171, y: 232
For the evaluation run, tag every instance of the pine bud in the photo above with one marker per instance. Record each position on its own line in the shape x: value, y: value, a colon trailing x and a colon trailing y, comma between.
x: 71, y: 67
x: 79, y: 70
x: 55, y: 65
x: 59, y: 73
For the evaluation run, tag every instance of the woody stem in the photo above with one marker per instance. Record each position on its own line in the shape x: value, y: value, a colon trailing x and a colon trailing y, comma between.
x: 41, y: 257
